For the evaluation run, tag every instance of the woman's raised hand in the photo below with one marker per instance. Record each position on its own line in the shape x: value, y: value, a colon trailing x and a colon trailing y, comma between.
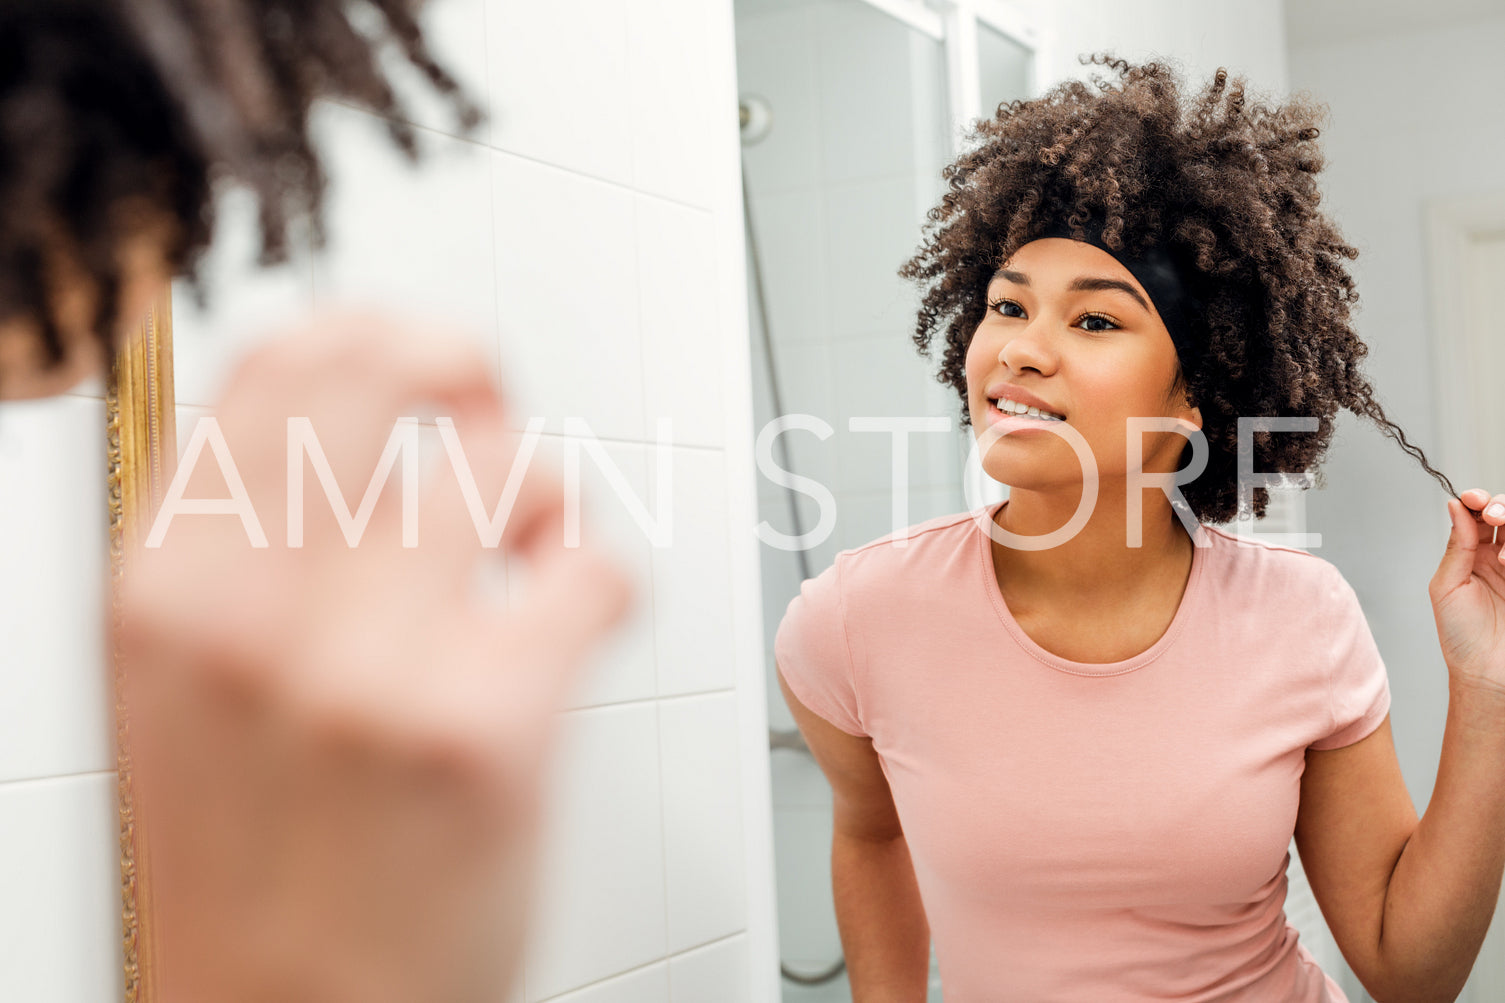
x: 338, y: 748
x: 1468, y: 592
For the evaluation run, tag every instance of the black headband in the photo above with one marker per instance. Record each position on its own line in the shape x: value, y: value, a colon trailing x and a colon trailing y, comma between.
x: 1170, y: 285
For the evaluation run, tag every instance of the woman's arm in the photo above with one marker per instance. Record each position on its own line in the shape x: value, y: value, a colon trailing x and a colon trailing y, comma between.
x: 884, y: 932
x: 1408, y: 903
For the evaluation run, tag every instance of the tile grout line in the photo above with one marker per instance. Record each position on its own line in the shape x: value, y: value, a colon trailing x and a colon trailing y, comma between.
x: 53, y: 778
x: 596, y: 983
x: 653, y: 699
x: 628, y: 188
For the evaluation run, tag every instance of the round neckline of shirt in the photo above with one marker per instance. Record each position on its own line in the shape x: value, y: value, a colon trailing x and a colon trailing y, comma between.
x: 1184, y: 612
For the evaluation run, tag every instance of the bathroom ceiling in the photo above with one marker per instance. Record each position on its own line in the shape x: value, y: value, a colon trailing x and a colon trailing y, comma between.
x: 1315, y: 22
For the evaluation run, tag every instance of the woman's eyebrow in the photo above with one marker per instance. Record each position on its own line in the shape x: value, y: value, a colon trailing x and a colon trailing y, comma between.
x: 1097, y: 283
x: 1086, y: 283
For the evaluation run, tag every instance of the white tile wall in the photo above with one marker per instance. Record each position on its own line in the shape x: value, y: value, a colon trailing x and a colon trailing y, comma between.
x: 567, y: 292
x: 646, y: 985
x: 886, y: 377
x: 808, y: 504
x: 867, y: 515
x: 716, y: 973
x: 805, y: 385
x: 702, y: 819
x: 872, y: 227
x: 692, y: 587
x: 677, y: 276
x: 418, y: 242
x: 60, y: 891
x: 55, y: 714
x: 560, y: 87
x: 791, y: 235
x: 626, y: 667
x: 808, y: 937
x: 670, y: 56
x: 602, y: 889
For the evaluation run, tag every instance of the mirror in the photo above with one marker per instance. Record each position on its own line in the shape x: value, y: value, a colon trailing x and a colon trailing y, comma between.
x: 849, y: 110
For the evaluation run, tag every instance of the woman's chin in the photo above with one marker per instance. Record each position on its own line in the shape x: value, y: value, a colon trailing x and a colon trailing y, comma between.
x: 1030, y: 476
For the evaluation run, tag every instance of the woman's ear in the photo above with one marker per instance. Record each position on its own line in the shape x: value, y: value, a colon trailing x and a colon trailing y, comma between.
x: 1182, y: 402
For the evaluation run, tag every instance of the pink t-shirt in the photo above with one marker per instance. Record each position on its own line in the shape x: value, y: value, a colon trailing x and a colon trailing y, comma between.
x: 1090, y: 832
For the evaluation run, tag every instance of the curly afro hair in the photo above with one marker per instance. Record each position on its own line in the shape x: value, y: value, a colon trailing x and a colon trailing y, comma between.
x: 1217, y: 179
x: 118, y: 112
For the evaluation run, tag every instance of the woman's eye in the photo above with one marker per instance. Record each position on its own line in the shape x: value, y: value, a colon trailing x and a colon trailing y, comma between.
x: 1004, y: 306
x: 1097, y: 318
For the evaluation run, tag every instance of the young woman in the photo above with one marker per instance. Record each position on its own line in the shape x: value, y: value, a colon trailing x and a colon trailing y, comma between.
x: 1072, y: 735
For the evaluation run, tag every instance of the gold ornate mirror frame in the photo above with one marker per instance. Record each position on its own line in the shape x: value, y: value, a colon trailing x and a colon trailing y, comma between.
x: 141, y: 417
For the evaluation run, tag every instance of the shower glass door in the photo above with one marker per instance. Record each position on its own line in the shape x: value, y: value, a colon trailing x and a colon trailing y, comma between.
x: 850, y: 110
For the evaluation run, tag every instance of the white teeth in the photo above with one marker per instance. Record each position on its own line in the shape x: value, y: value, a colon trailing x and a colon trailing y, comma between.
x: 1010, y: 407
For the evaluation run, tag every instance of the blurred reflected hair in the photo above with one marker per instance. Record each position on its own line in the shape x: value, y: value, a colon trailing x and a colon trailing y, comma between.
x: 1225, y: 182
x: 120, y: 114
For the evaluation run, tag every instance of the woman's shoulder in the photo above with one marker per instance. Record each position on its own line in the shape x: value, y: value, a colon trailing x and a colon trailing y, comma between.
x: 940, y: 533
x: 1258, y: 567
x: 901, y: 561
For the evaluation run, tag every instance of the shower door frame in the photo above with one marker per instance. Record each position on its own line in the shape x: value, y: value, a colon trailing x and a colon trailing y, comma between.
x: 955, y: 23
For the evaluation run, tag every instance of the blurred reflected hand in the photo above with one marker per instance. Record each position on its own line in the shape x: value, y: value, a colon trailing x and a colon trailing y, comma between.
x: 338, y: 750
x: 1468, y: 593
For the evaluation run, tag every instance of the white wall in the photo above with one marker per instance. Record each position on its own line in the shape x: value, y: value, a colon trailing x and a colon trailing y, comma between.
x: 1410, y: 122
x: 1414, y: 117
x: 59, y: 872
x: 1200, y: 35
x: 590, y: 239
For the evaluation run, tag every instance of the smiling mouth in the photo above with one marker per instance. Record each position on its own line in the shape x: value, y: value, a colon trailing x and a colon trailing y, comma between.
x: 1008, y: 407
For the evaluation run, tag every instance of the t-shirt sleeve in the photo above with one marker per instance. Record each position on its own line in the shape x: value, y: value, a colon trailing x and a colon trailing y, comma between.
x: 1359, y: 690
x: 813, y: 655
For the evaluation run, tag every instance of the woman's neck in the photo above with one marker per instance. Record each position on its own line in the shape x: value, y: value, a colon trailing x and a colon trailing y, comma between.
x: 1096, y: 565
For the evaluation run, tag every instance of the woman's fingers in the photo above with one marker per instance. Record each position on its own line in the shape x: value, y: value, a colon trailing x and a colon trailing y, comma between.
x: 342, y: 382
x: 1485, y: 511
x: 1458, y: 559
x: 573, y: 597
x: 488, y: 491
x: 1475, y: 499
x: 1494, y: 512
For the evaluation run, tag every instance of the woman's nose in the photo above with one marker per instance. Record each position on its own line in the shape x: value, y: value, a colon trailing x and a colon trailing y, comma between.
x: 1028, y: 349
